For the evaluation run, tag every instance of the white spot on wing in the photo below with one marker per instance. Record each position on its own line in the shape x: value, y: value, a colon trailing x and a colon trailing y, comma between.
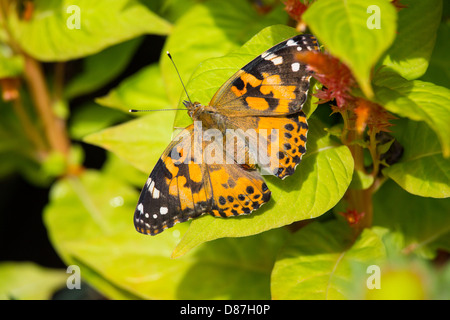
x: 140, y: 208
x: 291, y: 43
x: 295, y: 66
x: 163, y: 210
x: 278, y: 60
x: 151, y: 186
x: 299, y: 48
x: 155, y: 194
x: 155, y: 216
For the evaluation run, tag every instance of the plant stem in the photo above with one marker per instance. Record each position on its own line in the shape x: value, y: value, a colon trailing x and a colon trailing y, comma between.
x: 373, y: 152
x: 58, y: 87
x: 344, y: 135
x: 54, y: 128
x: 30, y: 130
x: 359, y: 199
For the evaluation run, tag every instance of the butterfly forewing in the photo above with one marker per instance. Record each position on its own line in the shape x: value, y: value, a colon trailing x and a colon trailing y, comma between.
x: 274, y: 83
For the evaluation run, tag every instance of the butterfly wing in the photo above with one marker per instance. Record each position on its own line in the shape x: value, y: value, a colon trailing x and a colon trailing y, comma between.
x: 181, y: 187
x: 267, y: 96
x: 274, y: 83
x: 175, y: 191
x: 280, y: 143
x: 268, y: 93
x: 236, y: 191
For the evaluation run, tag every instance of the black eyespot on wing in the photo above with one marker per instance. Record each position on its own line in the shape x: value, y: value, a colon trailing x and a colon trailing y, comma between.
x: 222, y: 200
x: 289, y: 127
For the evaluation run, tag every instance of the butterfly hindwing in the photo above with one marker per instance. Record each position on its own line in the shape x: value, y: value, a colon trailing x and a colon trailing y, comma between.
x: 278, y: 143
x: 179, y: 188
x: 237, y: 190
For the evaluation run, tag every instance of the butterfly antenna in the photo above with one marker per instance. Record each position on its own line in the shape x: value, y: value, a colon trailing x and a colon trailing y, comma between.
x: 181, y: 80
x: 136, y: 110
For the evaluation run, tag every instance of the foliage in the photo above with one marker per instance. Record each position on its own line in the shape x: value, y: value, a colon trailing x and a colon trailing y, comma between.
x: 372, y: 189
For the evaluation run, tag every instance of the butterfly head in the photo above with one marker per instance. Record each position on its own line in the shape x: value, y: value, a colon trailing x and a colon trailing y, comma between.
x: 193, y: 108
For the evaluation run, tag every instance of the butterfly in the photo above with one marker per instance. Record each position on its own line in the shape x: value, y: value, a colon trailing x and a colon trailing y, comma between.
x: 265, y: 97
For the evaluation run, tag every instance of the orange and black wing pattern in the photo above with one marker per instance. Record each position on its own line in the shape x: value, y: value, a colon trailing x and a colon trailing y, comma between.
x: 265, y: 96
x: 274, y: 83
x: 182, y: 187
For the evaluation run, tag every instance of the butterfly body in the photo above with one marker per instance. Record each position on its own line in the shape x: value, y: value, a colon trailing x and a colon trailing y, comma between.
x: 259, y: 105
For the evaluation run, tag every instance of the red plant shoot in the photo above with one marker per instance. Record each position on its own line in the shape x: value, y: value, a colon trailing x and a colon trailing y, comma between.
x: 335, y: 76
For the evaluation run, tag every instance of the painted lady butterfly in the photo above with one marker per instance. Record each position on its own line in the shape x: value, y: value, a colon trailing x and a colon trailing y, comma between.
x: 266, y: 96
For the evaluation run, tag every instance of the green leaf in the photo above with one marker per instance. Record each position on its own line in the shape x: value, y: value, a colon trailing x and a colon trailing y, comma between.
x: 416, y: 100
x: 93, y: 206
x: 422, y: 169
x: 342, y: 26
x: 318, y: 184
x: 171, y: 10
x: 28, y: 281
x: 438, y: 71
x: 361, y: 180
x: 141, y: 141
x: 208, y: 30
x: 143, y: 90
x: 96, y: 233
x: 417, y: 25
x: 320, y: 262
x: 90, y: 117
x: 103, y: 23
x: 101, y: 68
x: 383, y: 148
x: 121, y: 170
x: 10, y: 65
x: 423, y: 222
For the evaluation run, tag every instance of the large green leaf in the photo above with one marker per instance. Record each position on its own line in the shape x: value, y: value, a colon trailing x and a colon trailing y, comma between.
x: 101, y: 68
x: 90, y: 117
x: 342, y: 26
x: 90, y: 222
x: 423, y: 222
x: 141, y: 141
x: 321, y: 261
x: 318, y: 184
x: 438, y: 71
x: 422, y: 170
x: 46, y: 36
x: 208, y: 30
x: 416, y: 100
x: 417, y: 25
x: 28, y: 281
x: 143, y: 90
